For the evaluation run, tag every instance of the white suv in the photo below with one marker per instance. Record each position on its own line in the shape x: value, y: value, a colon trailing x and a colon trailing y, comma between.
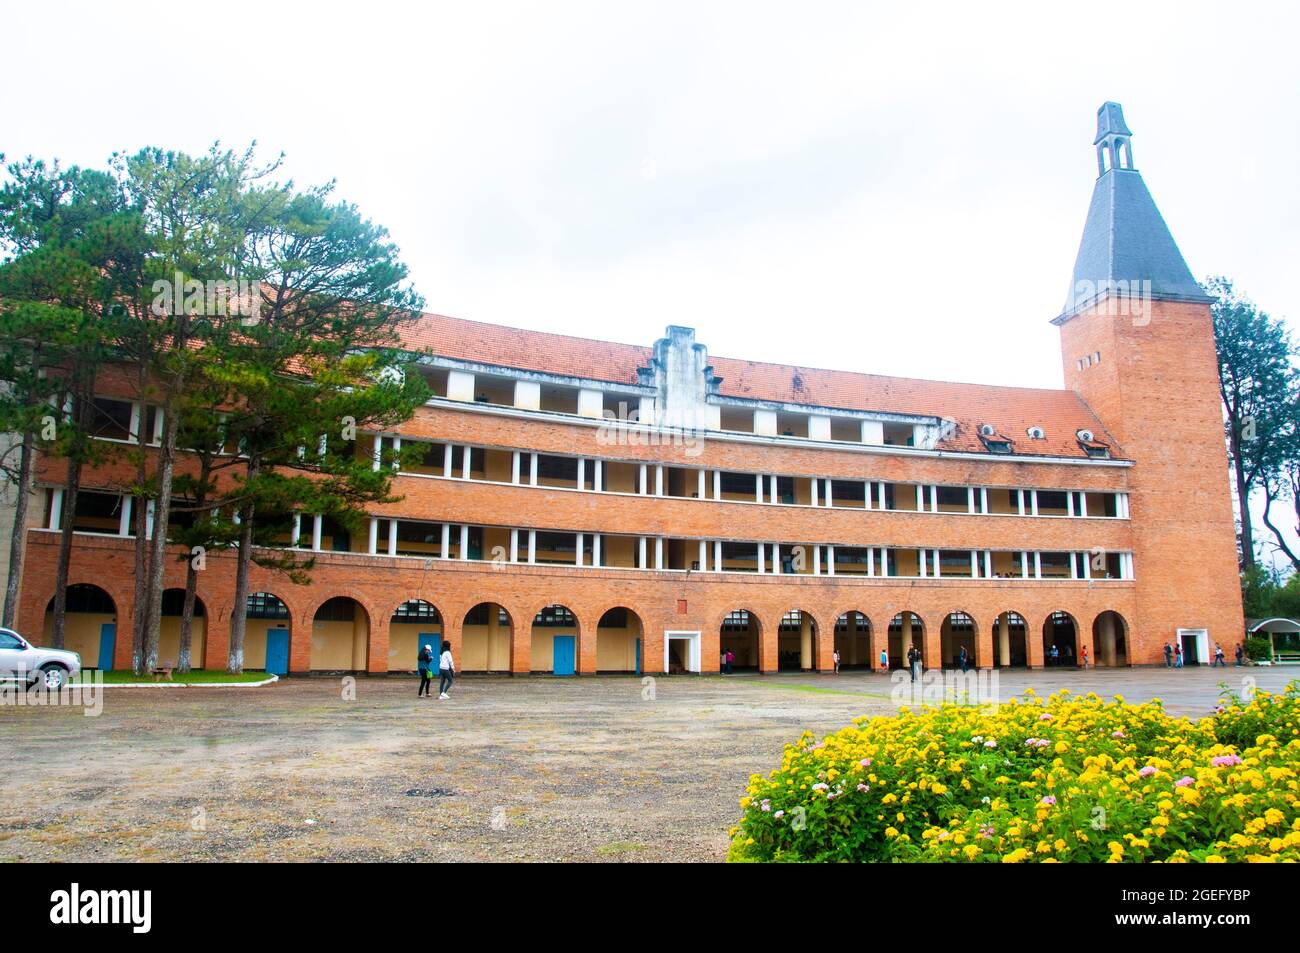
x: 23, y: 662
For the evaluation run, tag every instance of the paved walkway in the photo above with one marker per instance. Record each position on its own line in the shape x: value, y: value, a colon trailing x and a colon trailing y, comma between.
x: 510, y: 769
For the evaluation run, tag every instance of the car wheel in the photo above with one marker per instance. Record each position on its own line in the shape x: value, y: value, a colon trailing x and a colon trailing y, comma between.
x: 52, y: 678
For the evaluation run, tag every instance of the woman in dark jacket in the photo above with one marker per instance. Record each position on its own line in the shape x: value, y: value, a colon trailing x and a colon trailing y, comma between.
x: 426, y: 670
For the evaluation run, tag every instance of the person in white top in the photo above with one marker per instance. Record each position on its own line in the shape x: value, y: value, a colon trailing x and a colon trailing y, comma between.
x: 446, y: 671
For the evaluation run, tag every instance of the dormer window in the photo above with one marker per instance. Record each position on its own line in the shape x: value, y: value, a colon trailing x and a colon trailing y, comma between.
x: 1098, y: 451
x: 996, y: 444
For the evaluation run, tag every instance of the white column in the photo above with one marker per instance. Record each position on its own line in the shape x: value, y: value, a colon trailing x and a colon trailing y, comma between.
x: 514, y: 545
x: 970, y: 499
x: 934, y: 498
x: 532, y: 469
x: 317, y: 522
x: 1087, y: 565
x: 376, y: 454
x: 984, y: 499
x: 775, y: 498
x: 871, y: 560
x: 1020, y: 502
x: 920, y: 498
x: 1038, y: 564
x: 445, y: 552
x: 974, y: 564
x: 762, y: 547
x: 582, y: 473
x: 466, y: 454
x: 701, y: 491
x: 514, y: 466
x: 124, y: 520
x: 598, y: 477
x: 464, y: 541
x: 595, y: 549
x: 1069, y: 502
x: 446, y: 460
x: 643, y: 485
x: 813, y: 484
x: 717, y: 484
x: 1083, y: 502
x: 880, y: 487
x: 704, y: 550
x: 884, y: 561
x: 659, y: 479
x: 717, y: 555
x: 659, y: 552
x: 642, y: 562
x: 868, y: 489
x: 392, y: 537
x: 374, y: 536
x: 532, y: 546
x: 776, y: 558
x: 817, y: 560
x: 758, y: 488
x: 988, y: 564
x: 920, y: 562
x: 1033, y: 502
x: 397, y: 449
x: 578, y: 549
x: 1024, y: 564
x: 56, y: 509
x: 830, y: 495
x: 830, y: 560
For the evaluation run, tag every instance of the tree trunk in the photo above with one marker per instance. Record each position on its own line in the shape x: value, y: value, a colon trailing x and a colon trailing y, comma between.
x: 1243, y: 504
x: 70, y: 490
x: 140, y: 518
x: 243, y: 560
x: 187, y: 617
x: 1281, y: 539
x: 158, y: 546
x: 18, y: 540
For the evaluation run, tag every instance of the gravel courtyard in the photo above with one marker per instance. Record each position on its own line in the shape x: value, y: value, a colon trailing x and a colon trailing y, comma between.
x: 537, y: 768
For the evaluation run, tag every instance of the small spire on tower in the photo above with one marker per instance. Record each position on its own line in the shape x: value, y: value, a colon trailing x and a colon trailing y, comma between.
x: 1114, y: 140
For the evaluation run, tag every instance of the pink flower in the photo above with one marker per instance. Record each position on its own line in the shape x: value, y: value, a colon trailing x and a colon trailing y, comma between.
x: 865, y: 762
x: 1147, y: 771
x: 1184, y: 781
x: 1050, y: 799
x: 1225, y: 760
x: 1044, y: 717
x: 863, y: 788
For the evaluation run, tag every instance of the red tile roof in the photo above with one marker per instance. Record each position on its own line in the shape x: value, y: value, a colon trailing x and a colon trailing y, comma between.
x: 1011, y: 410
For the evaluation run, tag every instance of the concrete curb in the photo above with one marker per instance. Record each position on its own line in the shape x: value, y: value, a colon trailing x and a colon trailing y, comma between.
x: 83, y: 685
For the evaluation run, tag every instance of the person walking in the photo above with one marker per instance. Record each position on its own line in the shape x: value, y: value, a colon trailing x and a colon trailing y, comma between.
x: 1169, y: 655
x: 913, y: 661
x: 963, y: 659
x: 1055, y: 654
x: 1239, y: 652
x: 1218, y: 655
x: 728, y: 659
x: 446, y: 671
x: 835, y: 657
x: 425, y: 665
x: 1178, y: 656
x: 884, y: 661
x: 1083, y: 657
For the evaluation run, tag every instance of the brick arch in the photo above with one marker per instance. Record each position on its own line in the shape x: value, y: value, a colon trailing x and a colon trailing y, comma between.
x: 1038, y: 638
x: 442, y: 613
x: 765, y: 651
x: 589, y: 639
x: 976, y: 658
x: 821, y: 653
x: 873, y: 642
x: 354, y: 595
x: 927, y: 627
x: 581, y: 632
x: 992, y: 637
x: 521, y: 632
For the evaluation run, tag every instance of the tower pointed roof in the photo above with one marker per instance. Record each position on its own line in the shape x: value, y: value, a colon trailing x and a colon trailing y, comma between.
x: 1126, y: 245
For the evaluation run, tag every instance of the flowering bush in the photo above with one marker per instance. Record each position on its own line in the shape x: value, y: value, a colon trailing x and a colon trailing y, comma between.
x: 1062, y: 779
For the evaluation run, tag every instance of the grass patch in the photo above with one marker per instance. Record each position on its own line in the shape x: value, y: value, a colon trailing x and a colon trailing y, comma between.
x: 619, y: 847
x: 187, y: 678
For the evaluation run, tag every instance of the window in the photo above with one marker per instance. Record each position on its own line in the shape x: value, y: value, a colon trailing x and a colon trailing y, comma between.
x: 416, y: 610
x: 338, y: 609
x: 97, y: 513
x: 9, y: 641
x: 264, y: 605
x: 555, y: 617
x: 111, y: 418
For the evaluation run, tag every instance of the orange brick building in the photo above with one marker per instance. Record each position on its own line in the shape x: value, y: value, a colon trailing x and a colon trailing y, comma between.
x: 583, y: 506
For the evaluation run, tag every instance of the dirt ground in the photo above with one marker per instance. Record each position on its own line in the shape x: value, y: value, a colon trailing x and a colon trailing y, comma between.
x: 533, y: 769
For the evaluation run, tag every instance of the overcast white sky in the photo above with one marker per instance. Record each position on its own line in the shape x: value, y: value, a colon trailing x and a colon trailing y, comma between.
x: 836, y: 185
x: 854, y: 186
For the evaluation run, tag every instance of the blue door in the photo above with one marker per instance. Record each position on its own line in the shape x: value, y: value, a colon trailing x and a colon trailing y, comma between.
x: 638, y: 656
x: 563, y: 654
x: 107, y: 642
x: 277, y: 651
x: 434, y: 641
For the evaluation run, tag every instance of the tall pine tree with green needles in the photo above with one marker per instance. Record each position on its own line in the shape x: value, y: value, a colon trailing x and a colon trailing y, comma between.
x: 1258, y: 385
